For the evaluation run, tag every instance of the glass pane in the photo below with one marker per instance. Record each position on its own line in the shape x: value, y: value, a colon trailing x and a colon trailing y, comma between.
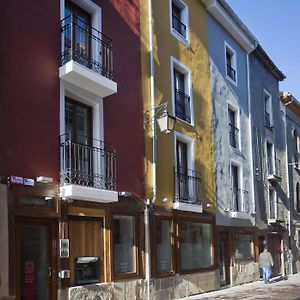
x: 243, y: 245
x: 124, y: 246
x: 37, y: 201
x: 163, y: 246
x: 68, y: 117
x: 34, y: 262
x: 82, y: 125
x: 195, y: 244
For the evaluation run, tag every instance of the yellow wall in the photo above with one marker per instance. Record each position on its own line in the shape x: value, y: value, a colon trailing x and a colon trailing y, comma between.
x: 196, y: 59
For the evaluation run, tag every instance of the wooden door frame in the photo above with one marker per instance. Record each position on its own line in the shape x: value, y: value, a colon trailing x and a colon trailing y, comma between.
x: 224, y: 237
x: 52, y: 252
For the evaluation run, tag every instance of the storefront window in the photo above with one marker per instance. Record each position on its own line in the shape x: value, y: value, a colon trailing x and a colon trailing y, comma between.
x: 195, y: 246
x: 243, y: 245
x: 163, y: 246
x: 124, y: 244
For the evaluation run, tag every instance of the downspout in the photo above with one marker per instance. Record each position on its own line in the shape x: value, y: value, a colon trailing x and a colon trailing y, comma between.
x: 250, y: 137
x: 152, y: 101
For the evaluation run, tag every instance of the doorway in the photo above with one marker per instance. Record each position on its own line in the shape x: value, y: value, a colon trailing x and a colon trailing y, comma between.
x: 224, y: 258
x: 35, y: 261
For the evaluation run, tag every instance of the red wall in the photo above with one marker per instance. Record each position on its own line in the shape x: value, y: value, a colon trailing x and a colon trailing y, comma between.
x: 29, y: 91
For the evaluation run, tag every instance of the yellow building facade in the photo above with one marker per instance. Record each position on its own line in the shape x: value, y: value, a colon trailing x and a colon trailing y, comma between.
x: 179, y: 165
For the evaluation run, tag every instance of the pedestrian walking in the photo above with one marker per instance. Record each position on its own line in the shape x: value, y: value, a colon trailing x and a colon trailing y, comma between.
x: 266, y: 263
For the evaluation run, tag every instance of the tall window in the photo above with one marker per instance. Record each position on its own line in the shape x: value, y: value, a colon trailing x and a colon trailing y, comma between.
x: 270, y: 159
x: 236, y: 204
x: 164, y: 248
x: 231, y: 66
x: 179, y: 18
x: 182, y: 99
x: 272, y: 204
x: 296, y: 149
x: 233, y: 128
x: 243, y: 245
x: 124, y: 249
x: 268, y: 110
x: 182, y: 171
x: 195, y: 246
x: 298, y: 197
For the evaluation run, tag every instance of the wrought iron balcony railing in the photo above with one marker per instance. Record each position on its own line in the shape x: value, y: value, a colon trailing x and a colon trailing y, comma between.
x: 187, y: 186
x: 87, y: 162
x: 183, y: 106
x: 233, y: 135
x: 239, y: 200
x: 274, y: 166
x: 179, y: 26
x: 231, y: 72
x: 86, y: 46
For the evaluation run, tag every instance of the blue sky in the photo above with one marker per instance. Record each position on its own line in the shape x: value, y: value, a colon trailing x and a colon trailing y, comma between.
x: 276, y: 24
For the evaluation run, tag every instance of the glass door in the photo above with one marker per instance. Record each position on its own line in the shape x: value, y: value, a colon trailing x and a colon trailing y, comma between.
x: 34, y: 250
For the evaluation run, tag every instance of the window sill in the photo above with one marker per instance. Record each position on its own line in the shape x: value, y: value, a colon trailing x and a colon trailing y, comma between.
x: 180, y: 37
x: 236, y: 151
x: 186, y: 122
x: 234, y: 82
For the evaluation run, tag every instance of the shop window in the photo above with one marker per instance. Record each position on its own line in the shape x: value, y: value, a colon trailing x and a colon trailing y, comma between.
x: 195, y: 246
x: 164, y: 248
x: 124, y: 249
x: 243, y: 246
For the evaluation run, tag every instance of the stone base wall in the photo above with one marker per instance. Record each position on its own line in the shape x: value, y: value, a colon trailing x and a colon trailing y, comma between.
x: 244, y: 272
x: 174, y: 287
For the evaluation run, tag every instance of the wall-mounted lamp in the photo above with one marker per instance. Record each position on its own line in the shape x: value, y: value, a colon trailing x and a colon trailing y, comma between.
x: 44, y: 179
x: 125, y: 194
x: 209, y: 205
x: 167, y: 199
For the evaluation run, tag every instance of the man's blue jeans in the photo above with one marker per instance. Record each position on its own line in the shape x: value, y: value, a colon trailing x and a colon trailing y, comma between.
x: 267, y: 271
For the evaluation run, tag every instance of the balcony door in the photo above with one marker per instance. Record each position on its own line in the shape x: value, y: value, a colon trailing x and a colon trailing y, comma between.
x: 77, y: 37
x: 78, y: 126
x: 182, y: 171
x: 236, y: 205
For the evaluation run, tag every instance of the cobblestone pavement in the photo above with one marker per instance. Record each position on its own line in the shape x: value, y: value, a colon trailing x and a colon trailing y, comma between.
x: 279, y: 289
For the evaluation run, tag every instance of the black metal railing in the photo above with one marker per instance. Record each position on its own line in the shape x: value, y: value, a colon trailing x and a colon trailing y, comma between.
x: 89, y: 162
x: 274, y: 166
x: 233, y: 135
x: 86, y: 45
x: 239, y: 200
x: 179, y: 26
x: 187, y: 186
x: 267, y: 119
x: 231, y: 72
x: 183, y: 106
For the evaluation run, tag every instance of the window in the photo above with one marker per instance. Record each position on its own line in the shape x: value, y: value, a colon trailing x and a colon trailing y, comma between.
x: 272, y: 204
x: 298, y: 197
x: 268, y: 110
x: 181, y: 91
x: 231, y: 67
x: 124, y: 249
x: 298, y: 238
x: 270, y: 158
x: 296, y: 149
x: 236, y: 203
x: 195, y: 246
x: 233, y: 128
x: 164, y: 246
x: 243, y: 245
x: 179, y: 20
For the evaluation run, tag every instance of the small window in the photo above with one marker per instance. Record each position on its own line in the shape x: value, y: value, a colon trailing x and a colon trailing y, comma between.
x: 181, y: 86
x: 268, y: 110
x: 179, y: 19
x: 231, y: 67
x: 124, y: 250
x: 270, y: 159
x: 195, y: 246
x: 233, y: 128
x: 164, y: 248
x: 272, y: 204
x: 243, y: 246
x: 298, y: 198
x: 296, y: 149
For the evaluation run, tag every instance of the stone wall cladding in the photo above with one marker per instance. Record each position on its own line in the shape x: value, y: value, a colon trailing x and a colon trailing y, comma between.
x: 244, y: 272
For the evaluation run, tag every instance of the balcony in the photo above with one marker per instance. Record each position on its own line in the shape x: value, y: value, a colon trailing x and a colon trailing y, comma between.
x: 239, y: 206
x: 274, y: 169
x: 87, y: 169
x: 233, y: 135
x: 179, y: 26
x: 231, y: 72
x: 187, y: 190
x: 183, y: 106
x: 86, y: 57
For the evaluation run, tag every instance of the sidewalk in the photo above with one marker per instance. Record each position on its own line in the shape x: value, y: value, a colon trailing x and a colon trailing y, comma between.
x: 279, y: 288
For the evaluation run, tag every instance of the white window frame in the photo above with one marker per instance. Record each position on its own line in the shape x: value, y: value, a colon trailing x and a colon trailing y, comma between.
x: 176, y: 64
x: 240, y: 179
x: 233, y: 65
x: 189, y: 141
x: 268, y: 106
x: 184, y: 19
x: 236, y: 111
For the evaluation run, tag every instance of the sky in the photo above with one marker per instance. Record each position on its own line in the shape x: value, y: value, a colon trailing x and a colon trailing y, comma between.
x: 276, y: 25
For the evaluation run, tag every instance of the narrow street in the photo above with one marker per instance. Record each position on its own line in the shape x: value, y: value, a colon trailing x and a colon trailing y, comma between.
x: 278, y: 289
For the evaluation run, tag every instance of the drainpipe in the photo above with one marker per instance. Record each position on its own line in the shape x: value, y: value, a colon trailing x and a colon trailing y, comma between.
x: 152, y: 101
x: 288, y: 190
x: 250, y: 138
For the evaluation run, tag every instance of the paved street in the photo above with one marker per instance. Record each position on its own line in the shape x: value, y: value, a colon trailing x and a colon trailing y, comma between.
x: 278, y: 289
